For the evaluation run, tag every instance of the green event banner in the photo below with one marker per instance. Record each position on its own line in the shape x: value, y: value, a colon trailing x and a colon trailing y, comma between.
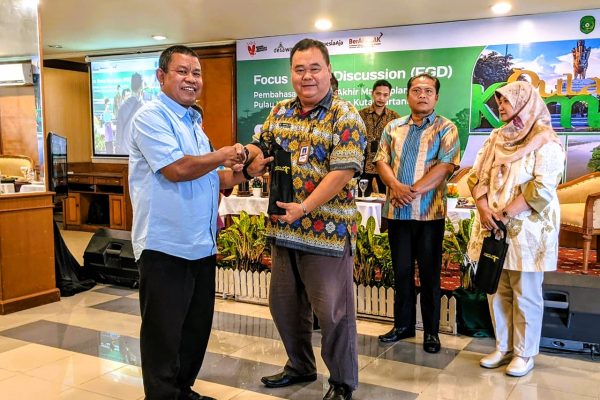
x: 262, y: 83
x: 558, y: 53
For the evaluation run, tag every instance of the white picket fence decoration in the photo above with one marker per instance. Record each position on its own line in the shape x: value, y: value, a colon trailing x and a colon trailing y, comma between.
x: 371, y: 302
x: 246, y: 286
x: 378, y: 303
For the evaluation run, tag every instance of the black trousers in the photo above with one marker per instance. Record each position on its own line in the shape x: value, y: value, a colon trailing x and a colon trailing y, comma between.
x: 419, y: 241
x: 177, y: 299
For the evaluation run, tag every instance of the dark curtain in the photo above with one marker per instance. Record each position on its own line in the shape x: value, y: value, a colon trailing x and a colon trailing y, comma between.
x: 70, y: 278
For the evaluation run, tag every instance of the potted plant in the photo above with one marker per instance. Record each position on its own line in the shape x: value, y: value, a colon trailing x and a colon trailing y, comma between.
x: 226, y: 250
x: 373, y: 271
x: 473, y: 316
x: 243, y: 259
x: 454, y: 248
x: 373, y: 260
x: 256, y: 187
x: 452, y: 195
x: 244, y: 242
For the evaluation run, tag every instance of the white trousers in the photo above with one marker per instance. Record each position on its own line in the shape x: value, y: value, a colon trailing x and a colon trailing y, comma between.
x: 517, y: 310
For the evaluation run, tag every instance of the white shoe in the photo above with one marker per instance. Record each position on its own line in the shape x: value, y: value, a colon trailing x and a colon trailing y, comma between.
x: 519, y: 367
x: 495, y: 359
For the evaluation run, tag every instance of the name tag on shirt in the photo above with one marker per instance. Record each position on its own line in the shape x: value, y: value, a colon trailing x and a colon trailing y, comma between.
x: 304, y: 152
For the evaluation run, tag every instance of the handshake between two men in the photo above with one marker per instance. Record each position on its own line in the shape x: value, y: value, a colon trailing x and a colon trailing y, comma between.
x: 239, y: 158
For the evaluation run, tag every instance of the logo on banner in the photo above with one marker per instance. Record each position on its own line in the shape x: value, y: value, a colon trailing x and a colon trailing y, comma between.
x: 253, y: 48
x: 587, y: 24
x: 365, y: 41
x: 332, y: 43
x: 282, y: 49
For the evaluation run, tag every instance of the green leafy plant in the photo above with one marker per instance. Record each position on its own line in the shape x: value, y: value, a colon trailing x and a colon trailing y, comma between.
x: 373, y: 260
x: 594, y: 163
x: 454, y: 248
x: 226, y: 249
x: 257, y: 183
x: 242, y: 244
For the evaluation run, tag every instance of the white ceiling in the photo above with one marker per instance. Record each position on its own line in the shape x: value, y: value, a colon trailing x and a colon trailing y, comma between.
x: 84, y: 27
x: 18, y: 29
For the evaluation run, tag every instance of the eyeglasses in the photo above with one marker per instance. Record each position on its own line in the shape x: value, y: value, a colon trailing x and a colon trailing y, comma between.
x: 185, y: 73
x: 417, y: 91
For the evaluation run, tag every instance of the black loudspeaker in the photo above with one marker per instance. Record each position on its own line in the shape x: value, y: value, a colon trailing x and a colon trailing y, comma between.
x: 571, y: 312
x: 109, y: 258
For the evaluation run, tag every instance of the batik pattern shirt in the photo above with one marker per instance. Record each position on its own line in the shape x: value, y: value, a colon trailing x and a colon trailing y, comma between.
x: 411, y: 151
x: 336, y: 134
x: 374, y: 124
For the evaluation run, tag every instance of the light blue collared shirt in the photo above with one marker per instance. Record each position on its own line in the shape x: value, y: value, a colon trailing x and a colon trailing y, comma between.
x: 177, y: 218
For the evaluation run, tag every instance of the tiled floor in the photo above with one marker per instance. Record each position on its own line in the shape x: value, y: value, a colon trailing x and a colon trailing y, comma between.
x: 87, y: 347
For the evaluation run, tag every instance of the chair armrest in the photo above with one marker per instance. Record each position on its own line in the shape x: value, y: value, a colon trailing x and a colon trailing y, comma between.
x: 575, y: 191
x: 591, y: 215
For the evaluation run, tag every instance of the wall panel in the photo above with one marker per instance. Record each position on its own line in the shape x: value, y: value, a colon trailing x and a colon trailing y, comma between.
x: 17, y: 121
x: 67, y: 103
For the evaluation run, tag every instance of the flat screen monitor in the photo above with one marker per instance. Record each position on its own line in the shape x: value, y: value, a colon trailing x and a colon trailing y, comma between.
x: 57, y: 163
x: 120, y: 86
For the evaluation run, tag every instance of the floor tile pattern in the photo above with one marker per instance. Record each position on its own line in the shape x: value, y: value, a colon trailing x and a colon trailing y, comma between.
x: 87, y: 347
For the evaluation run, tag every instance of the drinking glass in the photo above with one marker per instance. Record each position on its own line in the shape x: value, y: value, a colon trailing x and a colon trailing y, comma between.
x: 24, y: 171
x: 362, y: 185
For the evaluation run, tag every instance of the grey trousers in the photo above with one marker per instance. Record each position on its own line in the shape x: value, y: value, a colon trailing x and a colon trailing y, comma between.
x: 300, y: 283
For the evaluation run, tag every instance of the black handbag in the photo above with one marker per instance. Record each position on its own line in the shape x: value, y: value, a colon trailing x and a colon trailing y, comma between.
x: 281, y: 188
x: 491, y: 261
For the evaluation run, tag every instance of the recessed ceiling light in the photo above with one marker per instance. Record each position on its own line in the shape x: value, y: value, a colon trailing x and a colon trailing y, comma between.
x: 501, y: 8
x: 323, y: 24
x: 159, y: 37
x: 55, y: 46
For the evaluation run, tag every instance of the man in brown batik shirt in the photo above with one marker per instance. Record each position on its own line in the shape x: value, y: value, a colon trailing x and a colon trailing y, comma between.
x: 376, y: 117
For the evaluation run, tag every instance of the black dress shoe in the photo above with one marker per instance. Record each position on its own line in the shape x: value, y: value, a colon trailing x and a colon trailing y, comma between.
x: 191, y: 395
x: 431, y: 343
x: 283, y: 379
x: 397, y: 334
x: 338, y: 392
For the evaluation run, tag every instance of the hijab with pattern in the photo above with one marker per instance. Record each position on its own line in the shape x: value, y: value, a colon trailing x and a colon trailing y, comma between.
x: 529, y: 129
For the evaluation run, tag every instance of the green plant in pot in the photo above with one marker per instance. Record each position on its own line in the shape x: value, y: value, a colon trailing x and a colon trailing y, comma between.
x: 257, y: 183
x: 454, y: 248
x: 373, y: 261
x: 452, y: 195
x: 473, y: 316
x: 226, y: 250
x: 243, y: 243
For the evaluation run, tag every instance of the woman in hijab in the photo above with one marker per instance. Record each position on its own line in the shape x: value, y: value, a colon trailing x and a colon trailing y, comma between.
x: 514, y: 180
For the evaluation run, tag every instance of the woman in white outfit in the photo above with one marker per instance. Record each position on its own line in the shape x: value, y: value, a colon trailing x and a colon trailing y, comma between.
x: 514, y: 180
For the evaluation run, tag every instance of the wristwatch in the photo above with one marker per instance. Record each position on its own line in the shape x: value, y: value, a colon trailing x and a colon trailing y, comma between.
x: 245, y: 172
x: 506, y: 215
x: 303, y: 208
x: 247, y: 152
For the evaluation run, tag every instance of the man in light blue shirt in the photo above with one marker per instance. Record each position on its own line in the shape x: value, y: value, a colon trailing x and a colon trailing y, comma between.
x: 174, y: 185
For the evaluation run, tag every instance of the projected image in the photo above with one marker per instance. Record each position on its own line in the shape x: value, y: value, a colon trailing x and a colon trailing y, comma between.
x: 119, y: 88
x: 583, y: 155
